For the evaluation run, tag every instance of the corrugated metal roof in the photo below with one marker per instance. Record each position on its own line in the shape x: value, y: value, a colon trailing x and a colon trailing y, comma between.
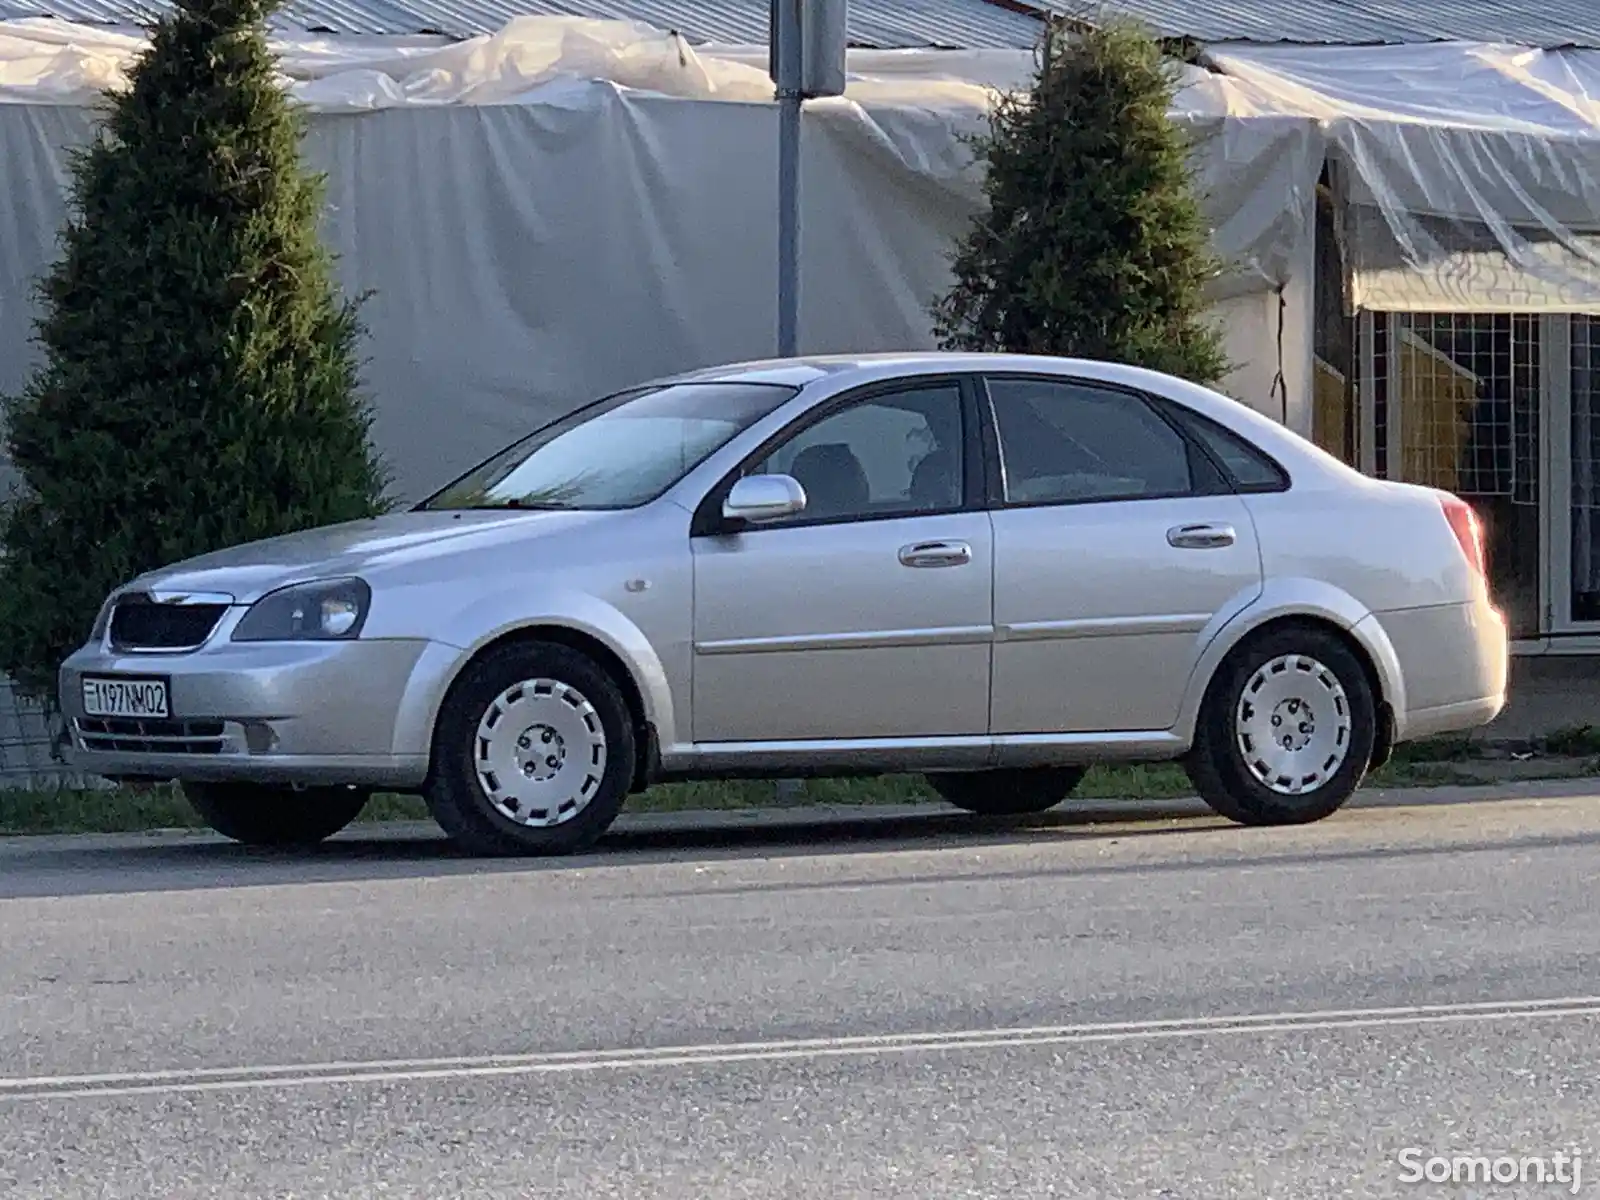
x: 1543, y: 23
x: 873, y: 24
x: 941, y: 24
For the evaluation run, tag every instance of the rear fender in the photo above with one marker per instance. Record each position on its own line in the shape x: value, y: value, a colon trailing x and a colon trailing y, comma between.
x: 1285, y: 598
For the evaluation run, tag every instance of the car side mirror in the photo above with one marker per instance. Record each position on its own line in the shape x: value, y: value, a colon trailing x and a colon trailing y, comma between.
x: 757, y: 498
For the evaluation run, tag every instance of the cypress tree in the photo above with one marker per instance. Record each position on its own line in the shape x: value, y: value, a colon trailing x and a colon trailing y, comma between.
x: 200, y: 380
x: 1093, y: 244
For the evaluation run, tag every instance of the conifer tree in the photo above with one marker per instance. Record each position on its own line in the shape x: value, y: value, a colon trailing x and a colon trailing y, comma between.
x: 200, y: 379
x: 1093, y: 244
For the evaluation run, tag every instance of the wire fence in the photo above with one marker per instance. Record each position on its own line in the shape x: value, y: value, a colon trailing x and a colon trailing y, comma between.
x: 31, y: 741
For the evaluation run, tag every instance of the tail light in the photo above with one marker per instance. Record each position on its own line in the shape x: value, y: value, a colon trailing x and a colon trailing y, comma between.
x: 1468, y: 529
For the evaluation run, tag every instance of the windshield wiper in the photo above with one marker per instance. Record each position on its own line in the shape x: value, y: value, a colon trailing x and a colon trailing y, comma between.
x: 521, y: 505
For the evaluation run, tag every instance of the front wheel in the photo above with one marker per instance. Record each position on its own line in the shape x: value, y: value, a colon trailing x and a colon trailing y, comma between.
x: 1287, y: 730
x: 261, y: 815
x: 1013, y: 792
x: 533, y: 753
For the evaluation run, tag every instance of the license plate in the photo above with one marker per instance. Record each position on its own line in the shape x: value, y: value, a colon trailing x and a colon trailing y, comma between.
x: 125, y: 696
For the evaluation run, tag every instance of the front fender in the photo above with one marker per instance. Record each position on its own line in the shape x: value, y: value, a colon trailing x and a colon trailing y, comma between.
x: 1294, y: 597
x: 497, y: 615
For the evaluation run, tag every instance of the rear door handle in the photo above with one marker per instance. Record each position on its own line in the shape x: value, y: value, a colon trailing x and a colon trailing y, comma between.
x: 935, y: 554
x: 1201, y: 537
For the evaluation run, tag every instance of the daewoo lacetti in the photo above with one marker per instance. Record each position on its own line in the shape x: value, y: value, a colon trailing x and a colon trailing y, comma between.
x: 993, y: 570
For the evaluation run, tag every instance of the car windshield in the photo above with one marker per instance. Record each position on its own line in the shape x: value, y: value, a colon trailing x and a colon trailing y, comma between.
x: 621, y: 452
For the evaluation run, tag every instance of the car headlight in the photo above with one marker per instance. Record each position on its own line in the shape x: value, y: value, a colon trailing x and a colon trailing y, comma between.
x: 329, y: 610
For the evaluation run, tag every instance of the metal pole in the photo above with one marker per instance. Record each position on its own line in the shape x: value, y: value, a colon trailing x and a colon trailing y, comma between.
x: 789, y: 68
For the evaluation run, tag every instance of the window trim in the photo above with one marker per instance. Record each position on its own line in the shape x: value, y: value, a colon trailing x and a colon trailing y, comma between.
x: 708, y: 520
x: 1219, y: 481
x: 1185, y: 417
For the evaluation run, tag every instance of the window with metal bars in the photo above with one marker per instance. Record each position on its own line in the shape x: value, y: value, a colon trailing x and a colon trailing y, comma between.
x: 1454, y: 404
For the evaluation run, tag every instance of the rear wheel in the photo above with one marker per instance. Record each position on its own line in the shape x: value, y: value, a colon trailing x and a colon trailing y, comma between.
x: 262, y: 815
x: 1287, y: 729
x: 533, y: 753
x: 1013, y: 792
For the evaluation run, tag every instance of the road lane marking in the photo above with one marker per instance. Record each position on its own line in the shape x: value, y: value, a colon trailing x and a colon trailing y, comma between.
x: 214, y: 1079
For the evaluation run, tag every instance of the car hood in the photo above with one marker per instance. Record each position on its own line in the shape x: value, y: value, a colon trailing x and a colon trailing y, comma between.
x: 249, y: 571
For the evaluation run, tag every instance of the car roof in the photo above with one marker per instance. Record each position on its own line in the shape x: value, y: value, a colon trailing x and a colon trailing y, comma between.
x: 794, y: 372
x: 846, y: 370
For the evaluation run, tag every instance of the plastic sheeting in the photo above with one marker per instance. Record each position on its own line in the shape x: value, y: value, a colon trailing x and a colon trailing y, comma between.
x: 49, y: 61
x: 1471, y: 173
x: 572, y: 206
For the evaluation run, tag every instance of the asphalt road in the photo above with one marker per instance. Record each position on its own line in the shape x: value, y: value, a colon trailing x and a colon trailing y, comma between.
x: 913, y: 1007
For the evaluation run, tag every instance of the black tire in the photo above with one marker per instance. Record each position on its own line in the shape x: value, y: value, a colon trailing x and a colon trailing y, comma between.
x: 459, y: 800
x: 1217, y: 764
x: 1013, y: 792
x: 262, y: 815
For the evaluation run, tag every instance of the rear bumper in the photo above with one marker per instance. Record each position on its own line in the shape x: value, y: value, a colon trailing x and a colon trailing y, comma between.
x: 1452, y: 718
x: 300, y: 713
x: 1454, y: 661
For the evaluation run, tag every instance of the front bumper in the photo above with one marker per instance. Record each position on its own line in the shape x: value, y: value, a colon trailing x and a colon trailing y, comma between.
x: 310, y: 713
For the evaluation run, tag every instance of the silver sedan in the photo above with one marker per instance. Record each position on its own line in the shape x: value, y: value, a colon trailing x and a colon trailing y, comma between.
x: 994, y: 570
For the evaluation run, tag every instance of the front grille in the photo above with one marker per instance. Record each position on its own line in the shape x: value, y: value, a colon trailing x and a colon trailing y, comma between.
x: 126, y: 735
x: 141, y: 624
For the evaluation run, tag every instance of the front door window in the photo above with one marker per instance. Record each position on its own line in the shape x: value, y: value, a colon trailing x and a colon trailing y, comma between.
x: 894, y: 455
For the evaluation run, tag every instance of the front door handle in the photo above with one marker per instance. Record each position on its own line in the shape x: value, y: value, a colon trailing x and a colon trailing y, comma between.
x: 935, y: 554
x: 1201, y: 537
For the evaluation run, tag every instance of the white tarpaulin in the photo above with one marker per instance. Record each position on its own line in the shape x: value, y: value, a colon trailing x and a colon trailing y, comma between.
x: 1472, y: 172
x: 572, y: 206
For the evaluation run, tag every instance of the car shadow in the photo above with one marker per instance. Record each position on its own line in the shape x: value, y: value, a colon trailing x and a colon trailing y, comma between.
x: 182, y: 862
x: 186, y: 862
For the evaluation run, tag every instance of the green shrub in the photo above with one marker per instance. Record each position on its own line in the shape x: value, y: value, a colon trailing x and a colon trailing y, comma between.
x: 200, y: 378
x: 1093, y: 244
